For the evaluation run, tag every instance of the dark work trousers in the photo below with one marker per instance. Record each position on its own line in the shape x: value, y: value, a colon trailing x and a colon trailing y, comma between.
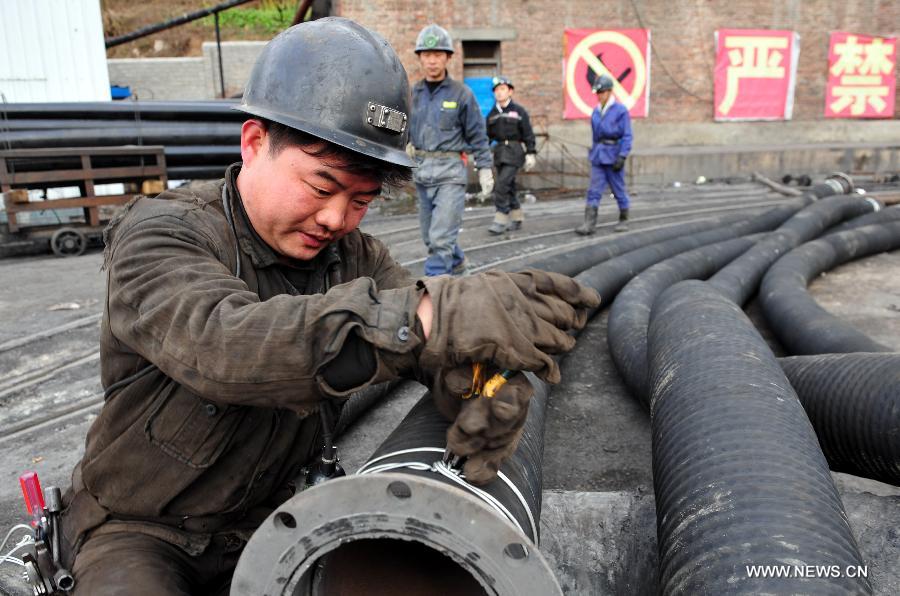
x: 133, y: 564
x: 505, y: 199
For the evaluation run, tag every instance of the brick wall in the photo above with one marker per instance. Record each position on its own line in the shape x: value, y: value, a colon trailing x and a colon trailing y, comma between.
x: 681, y: 64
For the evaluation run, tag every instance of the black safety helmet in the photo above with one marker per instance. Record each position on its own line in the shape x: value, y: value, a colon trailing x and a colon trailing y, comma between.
x: 602, y: 83
x: 501, y: 80
x: 338, y: 81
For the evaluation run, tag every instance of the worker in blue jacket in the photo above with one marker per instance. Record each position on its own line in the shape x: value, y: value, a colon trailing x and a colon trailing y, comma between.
x: 611, y: 143
x: 446, y: 122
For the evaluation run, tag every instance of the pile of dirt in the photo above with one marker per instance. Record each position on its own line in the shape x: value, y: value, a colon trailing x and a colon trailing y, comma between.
x: 259, y: 20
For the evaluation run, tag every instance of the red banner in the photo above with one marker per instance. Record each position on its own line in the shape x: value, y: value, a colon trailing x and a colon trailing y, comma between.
x: 755, y: 74
x: 861, y: 76
x: 623, y: 54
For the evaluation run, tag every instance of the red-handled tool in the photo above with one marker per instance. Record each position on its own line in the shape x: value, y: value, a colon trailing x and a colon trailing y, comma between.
x: 34, y: 496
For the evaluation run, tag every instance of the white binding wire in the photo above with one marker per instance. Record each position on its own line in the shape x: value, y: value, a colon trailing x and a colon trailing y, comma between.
x: 455, y: 476
x: 23, y: 542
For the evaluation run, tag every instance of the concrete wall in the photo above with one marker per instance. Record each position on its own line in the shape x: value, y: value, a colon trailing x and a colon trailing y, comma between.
x: 238, y: 58
x: 161, y: 78
x: 187, y: 78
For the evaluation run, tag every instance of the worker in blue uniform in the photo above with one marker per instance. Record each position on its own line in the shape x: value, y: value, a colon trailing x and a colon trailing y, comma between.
x: 446, y: 122
x: 611, y: 142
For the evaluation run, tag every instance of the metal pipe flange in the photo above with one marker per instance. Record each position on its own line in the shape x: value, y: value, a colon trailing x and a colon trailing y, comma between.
x: 297, y: 547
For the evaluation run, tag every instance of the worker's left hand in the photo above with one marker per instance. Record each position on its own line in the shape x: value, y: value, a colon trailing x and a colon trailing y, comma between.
x: 486, y: 180
x: 620, y: 163
x: 530, y: 162
x: 487, y: 430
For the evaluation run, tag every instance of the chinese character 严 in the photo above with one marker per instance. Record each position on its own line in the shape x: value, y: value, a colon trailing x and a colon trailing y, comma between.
x: 754, y: 58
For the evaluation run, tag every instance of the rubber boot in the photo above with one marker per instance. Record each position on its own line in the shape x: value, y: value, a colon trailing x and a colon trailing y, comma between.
x: 590, y: 222
x: 500, y: 224
x: 517, y: 217
x: 622, y: 226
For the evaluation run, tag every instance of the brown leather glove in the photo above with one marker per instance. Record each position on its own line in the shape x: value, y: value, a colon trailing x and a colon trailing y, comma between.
x: 514, y: 321
x: 487, y: 430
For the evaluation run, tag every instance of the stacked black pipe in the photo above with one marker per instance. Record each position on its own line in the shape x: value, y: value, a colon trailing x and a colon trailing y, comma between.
x: 201, y: 138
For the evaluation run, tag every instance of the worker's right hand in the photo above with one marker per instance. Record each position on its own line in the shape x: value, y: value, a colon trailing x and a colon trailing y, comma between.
x: 515, y: 321
x: 485, y: 430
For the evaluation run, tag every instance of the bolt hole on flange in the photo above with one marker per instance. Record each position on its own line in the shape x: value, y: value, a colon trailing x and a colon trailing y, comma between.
x: 516, y: 551
x: 284, y: 520
x: 400, y: 490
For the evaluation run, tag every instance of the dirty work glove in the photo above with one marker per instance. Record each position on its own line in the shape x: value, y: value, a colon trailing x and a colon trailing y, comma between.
x: 487, y: 430
x: 620, y: 163
x: 530, y: 161
x: 486, y: 180
x: 515, y: 321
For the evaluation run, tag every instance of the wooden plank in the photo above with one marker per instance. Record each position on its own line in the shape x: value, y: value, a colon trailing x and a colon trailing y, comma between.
x: 92, y: 174
x: 71, y: 203
x: 76, y: 151
x: 4, y: 176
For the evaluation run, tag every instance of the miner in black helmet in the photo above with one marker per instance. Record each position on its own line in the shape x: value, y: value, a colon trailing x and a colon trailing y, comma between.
x: 509, y: 129
x: 239, y: 310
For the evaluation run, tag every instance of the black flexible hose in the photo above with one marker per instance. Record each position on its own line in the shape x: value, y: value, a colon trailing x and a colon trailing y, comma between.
x: 740, y: 278
x: 425, y: 427
x: 629, y: 315
x: 853, y: 401
x: 738, y: 474
x: 798, y: 321
x: 360, y: 402
x: 575, y: 261
x: 883, y: 215
x: 610, y: 276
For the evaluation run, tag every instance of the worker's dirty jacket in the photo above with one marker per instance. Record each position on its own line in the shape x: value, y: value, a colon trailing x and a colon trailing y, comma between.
x: 445, y: 123
x: 210, y: 377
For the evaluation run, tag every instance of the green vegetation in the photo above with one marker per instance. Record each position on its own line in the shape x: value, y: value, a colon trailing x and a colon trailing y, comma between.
x: 268, y: 17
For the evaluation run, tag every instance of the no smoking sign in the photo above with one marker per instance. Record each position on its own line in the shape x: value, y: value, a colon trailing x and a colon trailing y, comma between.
x: 623, y: 54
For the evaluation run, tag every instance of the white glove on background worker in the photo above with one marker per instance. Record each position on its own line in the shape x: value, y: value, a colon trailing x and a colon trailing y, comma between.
x: 486, y: 180
x: 530, y: 162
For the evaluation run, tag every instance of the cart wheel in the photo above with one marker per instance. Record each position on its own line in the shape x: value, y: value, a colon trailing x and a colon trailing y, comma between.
x: 68, y: 242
